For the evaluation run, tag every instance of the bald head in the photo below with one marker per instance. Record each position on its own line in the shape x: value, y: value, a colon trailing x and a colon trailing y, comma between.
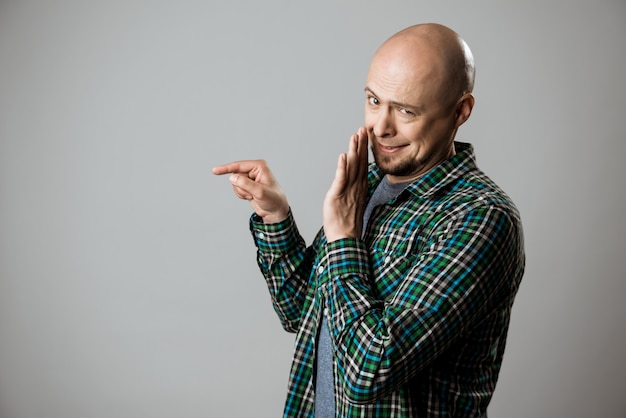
x: 431, y: 52
x: 418, y: 93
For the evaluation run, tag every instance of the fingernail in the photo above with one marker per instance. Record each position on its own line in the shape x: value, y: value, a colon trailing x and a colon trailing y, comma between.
x: 233, y: 178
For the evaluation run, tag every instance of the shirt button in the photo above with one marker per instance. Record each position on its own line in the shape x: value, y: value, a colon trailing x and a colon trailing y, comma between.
x: 320, y: 269
x: 325, y: 311
x: 261, y: 235
x: 387, y: 259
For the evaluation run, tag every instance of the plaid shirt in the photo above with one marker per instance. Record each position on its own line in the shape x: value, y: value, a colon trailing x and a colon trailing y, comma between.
x: 418, y: 310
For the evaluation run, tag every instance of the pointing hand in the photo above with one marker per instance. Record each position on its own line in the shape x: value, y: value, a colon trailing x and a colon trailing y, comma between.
x: 252, y: 180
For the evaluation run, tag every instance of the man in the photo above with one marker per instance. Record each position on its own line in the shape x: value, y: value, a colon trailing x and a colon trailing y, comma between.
x: 401, y: 305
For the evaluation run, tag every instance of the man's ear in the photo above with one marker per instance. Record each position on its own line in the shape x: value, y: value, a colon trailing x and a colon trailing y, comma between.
x: 464, y: 108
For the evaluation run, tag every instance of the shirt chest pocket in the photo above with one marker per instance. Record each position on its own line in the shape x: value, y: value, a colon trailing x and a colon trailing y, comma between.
x: 389, y: 269
x: 393, y: 252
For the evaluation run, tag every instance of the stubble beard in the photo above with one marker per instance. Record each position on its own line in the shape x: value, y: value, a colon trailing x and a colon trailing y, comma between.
x: 396, y: 167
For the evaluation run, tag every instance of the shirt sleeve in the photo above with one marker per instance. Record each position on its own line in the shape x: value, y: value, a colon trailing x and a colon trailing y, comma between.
x: 285, y: 262
x: 464, y: 268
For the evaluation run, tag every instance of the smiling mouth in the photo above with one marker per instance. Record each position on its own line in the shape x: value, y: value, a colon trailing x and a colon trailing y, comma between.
x: 390, y: 149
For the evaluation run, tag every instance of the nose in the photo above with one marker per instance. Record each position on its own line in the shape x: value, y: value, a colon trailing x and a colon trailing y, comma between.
x: 383, y: 124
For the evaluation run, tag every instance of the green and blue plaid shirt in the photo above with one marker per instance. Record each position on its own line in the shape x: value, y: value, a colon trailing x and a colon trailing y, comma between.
x: 418, y: 310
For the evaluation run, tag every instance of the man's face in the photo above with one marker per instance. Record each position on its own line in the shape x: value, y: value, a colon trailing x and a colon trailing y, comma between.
x: 410, y: 120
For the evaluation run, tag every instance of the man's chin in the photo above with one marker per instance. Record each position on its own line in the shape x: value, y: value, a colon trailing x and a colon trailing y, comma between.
x: 401, y: 170
x: 387, y: 166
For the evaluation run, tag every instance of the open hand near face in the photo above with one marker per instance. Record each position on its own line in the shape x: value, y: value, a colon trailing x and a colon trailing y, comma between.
x: 346, y: 199
x: 252, y: 180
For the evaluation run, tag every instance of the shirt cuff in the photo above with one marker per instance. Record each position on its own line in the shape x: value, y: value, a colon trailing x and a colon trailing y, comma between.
x: 274, y: 238
x: 343, y: 257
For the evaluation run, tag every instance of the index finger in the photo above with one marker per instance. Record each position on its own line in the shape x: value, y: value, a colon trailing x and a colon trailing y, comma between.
x: 239, y: 167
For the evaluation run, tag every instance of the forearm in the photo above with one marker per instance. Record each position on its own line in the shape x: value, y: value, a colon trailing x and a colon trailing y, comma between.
x: 285, y: 263
x: 358, y: 322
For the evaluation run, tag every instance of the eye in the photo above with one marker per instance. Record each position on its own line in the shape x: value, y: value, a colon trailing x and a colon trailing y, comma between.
x: 373, y: 100
x: 406, y: 111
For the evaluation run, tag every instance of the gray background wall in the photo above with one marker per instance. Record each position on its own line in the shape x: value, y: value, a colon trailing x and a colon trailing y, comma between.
x: 128, y: 286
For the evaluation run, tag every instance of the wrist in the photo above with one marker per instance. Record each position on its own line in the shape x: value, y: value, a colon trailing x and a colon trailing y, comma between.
x: 275, y: 217
x: 335, y: 233
x: 336, y: 236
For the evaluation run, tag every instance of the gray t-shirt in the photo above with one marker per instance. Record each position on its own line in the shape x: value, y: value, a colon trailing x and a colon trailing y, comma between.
x: 324, y: 386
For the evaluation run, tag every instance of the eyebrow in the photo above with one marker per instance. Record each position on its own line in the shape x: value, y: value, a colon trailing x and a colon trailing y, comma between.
x: 416, y: 109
